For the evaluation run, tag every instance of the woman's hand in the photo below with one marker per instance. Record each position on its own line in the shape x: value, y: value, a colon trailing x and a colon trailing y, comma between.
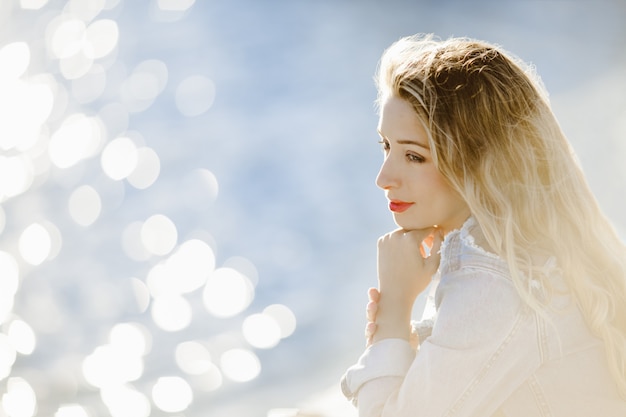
x: 370, y: 312
x: 407, y: 261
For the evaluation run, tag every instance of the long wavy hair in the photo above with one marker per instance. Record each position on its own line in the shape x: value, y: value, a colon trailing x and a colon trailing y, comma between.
x: 495, y: 139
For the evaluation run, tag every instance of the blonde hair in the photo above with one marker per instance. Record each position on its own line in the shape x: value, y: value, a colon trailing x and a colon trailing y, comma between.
x: 494, y: 137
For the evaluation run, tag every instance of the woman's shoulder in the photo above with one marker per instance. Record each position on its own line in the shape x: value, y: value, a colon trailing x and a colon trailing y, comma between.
x: 466, y: 248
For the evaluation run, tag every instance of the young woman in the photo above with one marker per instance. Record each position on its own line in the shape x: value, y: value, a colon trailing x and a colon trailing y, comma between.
x: 530, y: 307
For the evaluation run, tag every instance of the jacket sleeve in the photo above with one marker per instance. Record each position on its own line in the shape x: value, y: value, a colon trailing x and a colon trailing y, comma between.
x: 483, y: 346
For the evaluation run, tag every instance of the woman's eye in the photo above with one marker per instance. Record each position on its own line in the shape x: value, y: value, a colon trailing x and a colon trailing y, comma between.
x: 384, y: 144
x: 415, y: 158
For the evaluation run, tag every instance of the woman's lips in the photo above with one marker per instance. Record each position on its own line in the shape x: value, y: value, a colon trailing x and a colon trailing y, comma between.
x: 399, y: 206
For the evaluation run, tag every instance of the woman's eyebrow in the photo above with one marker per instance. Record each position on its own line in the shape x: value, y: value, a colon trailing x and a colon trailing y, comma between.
x: 412, y: 142
x: 405, y: 141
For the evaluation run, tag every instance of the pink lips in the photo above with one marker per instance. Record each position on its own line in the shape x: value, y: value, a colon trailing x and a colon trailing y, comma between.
x: 399, y: 206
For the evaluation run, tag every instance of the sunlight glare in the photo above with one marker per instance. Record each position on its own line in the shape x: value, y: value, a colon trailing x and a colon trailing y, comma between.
x: 102, y: 36
x: 75, y: 66
x: 200, y: 188
x: 32, y: 4
x: 132, y: 338
x: 261, y: 331
x: 171, y: 313
x: 244, y: 266
x: 159, y: 234
x: 20, y: 399
x: 191, y: 265
x: 210, y: 380
x: 227, y: 293
x: 240, y: 365
x: 172, y: 394
x: 85, y: 10
x: 85, y: 205
x: 35, y: 244
x: 16, y: 175
x: 109, y: 365
x: 22, y: 337
x: 8, y: 354
x: 195, y: 95
x: 131, y: 242
x: 79, y: 137
x: 284, y: 317
x: 65, y: 37
x: 24, y: 107
x: 119, y: 158
x: 193, y: 358
x: 9, y: 271
x: 71, y: 410
x: 14, y: 60
x: 89, y: 87
x: 147, y: 170
x: 142, y: 294
x: 125, y: 401
x: 144, y: 84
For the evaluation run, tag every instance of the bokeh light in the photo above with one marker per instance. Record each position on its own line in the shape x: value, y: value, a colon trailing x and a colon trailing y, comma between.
x: 14, y: 60
x: 78, y: 138
x: 125, y: 401
x: 9, y: 270
x: 119, y: 158
x: 32, y: 4
x: 132, y: 242
x: 35, y: 244
x: 3, y: 219
x: 193, y: 358
x: 16, y: 176
x: 261, y: 331
x: 132, y: 338
x: 171, y: 312
x: 135, y: 283
x: 195, y: 95
x: 108, y: 365
x: 22, y: 337
x: 240, y: 365
x: 147, y: 80
x: 8, y: 355
x: 172, y: 394
x: 227, y: 293
x: 71, y: 410
x: 284, y: 317
x: 147, y: 169
x: 19, y: 399
x: 159, y: 234
x: 101, y: 37
x: 85, y: 205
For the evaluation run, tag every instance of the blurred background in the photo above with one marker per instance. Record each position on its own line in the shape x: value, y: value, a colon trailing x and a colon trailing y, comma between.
x: 188, y: 214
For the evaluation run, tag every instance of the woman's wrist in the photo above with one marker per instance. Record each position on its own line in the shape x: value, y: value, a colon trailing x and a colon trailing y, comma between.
x: 392, y: 330
x: 393, y: 320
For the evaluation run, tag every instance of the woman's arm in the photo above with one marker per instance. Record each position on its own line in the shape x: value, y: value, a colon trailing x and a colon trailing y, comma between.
x: 483, y: 346
x: 407, y: 260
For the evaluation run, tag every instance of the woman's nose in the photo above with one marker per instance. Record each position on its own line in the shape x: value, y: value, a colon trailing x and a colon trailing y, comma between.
x: 386, y: 177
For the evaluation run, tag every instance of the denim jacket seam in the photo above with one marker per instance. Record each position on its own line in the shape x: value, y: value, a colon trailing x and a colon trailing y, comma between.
x: 540, y: 399
x: 542, y: 339
x: 468, y: 391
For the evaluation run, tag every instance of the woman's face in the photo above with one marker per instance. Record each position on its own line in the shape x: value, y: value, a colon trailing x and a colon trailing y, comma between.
x: 418, y: 194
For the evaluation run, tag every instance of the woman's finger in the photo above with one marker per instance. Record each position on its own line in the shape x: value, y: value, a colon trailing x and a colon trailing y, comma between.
x: 370, y: 310
x: 370, y: 329
x: 373, y: 294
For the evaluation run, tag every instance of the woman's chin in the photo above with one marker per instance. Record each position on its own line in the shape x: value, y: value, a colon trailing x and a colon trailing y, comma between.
x: 410, y: 225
